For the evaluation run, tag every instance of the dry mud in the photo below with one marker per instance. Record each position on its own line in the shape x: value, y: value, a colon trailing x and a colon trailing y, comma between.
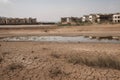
x: 93, y: 30
x: 48, y: 61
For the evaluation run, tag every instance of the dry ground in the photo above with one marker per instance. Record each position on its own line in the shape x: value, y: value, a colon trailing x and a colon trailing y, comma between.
x: 60, y: 61
x: 96, y: 30
x: 50, y: 61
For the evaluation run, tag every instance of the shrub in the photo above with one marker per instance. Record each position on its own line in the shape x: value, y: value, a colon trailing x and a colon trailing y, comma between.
x: 55, y: 71
x: 55, y: 55
x: 1, y: 58
x: 105, y: 61
x: 15, y: 66
x: 45, y: 30
x: 5, y: 53
x: 45, y: 48
x: 32, y: 51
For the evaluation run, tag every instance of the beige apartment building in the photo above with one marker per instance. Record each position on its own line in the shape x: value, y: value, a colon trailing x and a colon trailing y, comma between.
x: 71, y: 20
x: 116, y: 18
x: 102, y: 18
x: 16, y: 21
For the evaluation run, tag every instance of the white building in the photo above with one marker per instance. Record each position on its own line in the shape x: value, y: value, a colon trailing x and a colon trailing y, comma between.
x: 93, y: 18
x: 85, y: 18
x: 70, y: 20
x: 116, y: 18
x: 98, y: 18
x: 90, y: 18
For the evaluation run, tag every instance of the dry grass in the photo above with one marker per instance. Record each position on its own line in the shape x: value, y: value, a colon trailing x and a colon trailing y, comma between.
x: 15, y: 66
x: 55, y: 55
x: 54, y: 72
x: 5, y: 53
x: 1, y: 58
x: 2, y: 55
x: 45, y: 30
x: 105, y: 61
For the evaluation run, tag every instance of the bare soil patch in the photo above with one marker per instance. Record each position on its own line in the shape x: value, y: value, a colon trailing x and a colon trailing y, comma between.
x: 59, y: 61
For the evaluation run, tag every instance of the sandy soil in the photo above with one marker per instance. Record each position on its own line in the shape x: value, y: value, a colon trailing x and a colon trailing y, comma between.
x: 48, y: 61
x: 94, y: 30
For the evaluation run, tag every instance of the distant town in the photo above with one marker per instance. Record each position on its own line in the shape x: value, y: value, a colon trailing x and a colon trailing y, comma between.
x: 87, y: 19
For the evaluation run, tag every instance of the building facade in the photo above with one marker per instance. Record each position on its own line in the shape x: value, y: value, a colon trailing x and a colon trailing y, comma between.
x: 101, y: 18
x: 17, y: 21
x: 85, y: 18
x: 105, y: 18
x: 71, y: 20
x: 116, y: 18
x: 92, y: 18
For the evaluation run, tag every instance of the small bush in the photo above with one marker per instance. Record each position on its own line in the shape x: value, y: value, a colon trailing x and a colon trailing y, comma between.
x: 2, y: 55
x: 54, y: 72
x: 32, y: 51
x: 5, y: 53
x: 1, y: 58
x: 55, y: 55
x: 36, y: 57
x: 45, y: 30
x: 45, y: 48
x: 74, y: 59
x: 108, y: 62
x: 105, y: 61
x: 15, y: 66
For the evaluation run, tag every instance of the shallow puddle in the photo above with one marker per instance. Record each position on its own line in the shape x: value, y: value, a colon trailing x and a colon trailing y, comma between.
x: 58, y: 39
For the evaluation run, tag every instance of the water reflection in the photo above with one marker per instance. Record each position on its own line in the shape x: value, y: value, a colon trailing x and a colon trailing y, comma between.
x: 61, y: 39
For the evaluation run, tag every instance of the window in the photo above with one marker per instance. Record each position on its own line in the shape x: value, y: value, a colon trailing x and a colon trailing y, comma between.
x: 118, y: 20
x: 115, y: 16
x: 115, y: 21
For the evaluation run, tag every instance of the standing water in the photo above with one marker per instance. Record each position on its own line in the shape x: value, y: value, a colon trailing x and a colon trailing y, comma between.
x: 58, y: 39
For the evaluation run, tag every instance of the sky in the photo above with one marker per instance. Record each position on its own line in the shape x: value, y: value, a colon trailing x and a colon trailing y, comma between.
x: 53, y: 10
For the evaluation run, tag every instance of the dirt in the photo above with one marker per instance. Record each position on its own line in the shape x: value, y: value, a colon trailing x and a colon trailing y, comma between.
x: 93, y: 30
x: 48, y: 61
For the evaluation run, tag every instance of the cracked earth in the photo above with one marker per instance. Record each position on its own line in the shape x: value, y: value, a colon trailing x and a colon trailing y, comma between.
x: 48, y: 61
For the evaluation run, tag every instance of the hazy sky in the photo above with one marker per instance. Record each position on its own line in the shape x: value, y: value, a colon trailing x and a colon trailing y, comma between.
x: 52, y: 10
